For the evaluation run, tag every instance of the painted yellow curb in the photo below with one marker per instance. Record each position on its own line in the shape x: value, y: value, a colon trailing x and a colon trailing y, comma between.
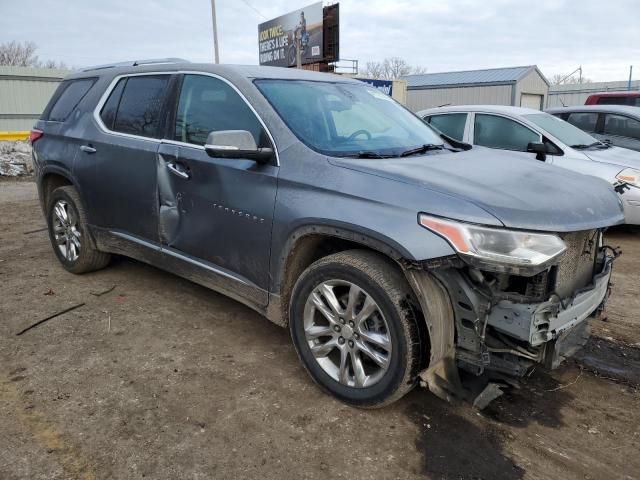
x: 13, y: 136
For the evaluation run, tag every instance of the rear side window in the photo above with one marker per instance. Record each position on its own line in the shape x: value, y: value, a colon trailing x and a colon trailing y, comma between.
x: 69, y: 98
x: 451, y: 124
x: 499, y: 132
x: 609, y: 100
x: 585, y: 121
x: 135, y: 105
x: 621, y: 126
x: 108, y: 113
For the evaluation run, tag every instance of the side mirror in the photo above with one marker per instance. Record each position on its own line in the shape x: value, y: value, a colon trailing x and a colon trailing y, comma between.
x: 236, y: 144
x: 539, y: 149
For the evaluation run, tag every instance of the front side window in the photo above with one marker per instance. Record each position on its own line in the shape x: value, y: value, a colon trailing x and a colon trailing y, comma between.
x: 208, y: 104
x: 139, y: 107
x: 621, y: 126
x: 451, y: 124
x: 499, y: 132
x: 73, y: 92
x: 344, y: 119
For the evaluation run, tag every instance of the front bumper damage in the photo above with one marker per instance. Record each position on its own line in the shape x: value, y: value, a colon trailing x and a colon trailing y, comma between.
x: 480, y: 331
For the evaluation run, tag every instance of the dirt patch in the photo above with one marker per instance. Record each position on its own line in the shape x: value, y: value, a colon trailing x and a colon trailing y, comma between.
x: 160, y: 378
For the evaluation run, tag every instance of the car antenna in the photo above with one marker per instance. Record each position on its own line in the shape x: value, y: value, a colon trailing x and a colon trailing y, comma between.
x: 444, y: 105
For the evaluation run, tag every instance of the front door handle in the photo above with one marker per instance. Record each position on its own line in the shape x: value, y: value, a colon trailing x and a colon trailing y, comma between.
x: 87, y: 149
x: 179, y: 170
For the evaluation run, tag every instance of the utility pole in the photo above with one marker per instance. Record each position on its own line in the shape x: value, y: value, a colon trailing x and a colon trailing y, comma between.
x: 630, y: 75
x: 216, y: 56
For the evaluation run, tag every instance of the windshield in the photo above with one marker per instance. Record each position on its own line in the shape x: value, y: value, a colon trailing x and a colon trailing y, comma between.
x: 563, y: 131
x: 344, y: 119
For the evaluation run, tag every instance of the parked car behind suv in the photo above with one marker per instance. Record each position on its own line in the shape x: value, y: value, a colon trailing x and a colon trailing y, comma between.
x: 617, y: 124
x: 630, y: 98
x: 316, y: 200
x: 534, y: 135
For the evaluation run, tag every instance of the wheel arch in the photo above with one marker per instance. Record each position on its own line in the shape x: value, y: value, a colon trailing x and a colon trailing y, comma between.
x: 52, y: 178
x: 309, y: 243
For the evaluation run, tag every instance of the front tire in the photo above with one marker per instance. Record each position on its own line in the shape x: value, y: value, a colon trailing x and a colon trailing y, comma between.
x: 354, y: 329
x: 69, y: 235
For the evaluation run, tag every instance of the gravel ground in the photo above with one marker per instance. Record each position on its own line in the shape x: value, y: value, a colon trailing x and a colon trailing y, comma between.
x: 160, y: 378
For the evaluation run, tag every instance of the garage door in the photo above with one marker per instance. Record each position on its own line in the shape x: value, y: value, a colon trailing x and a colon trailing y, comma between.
x: 529, y: 100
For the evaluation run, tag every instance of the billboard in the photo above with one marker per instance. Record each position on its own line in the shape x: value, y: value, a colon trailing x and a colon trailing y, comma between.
x: 277, y: 37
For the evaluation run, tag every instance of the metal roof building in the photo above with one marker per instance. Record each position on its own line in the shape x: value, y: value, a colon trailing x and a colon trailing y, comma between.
x: 518, y: 86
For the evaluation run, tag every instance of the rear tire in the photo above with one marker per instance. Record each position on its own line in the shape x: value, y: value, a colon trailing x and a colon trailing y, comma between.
x: 69, y: 235
x: 354, y: 329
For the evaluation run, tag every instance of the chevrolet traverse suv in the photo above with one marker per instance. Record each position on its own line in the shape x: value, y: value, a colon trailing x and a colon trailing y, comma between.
x: 393, y: 255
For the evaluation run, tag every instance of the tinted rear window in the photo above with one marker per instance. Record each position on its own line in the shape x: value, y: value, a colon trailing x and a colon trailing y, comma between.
x: 73, y: 92
x: 612, y: 101
x: 138, y: 112
x: 108, y: 113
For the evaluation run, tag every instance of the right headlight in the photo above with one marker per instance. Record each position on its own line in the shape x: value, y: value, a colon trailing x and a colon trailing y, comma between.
x: 498, y: 249
x: 630, y: 176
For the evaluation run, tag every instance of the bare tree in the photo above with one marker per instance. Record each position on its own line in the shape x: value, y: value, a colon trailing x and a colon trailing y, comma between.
x: 559, y: 79
x: 18, y: 54
x: 52, y: 64
x: 390, y: 68
x: 556, y: 79
x: 373, y: 70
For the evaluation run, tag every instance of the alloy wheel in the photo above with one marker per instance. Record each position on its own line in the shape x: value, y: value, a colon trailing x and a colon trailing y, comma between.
x: 347, y: 333
x: 65, y: 230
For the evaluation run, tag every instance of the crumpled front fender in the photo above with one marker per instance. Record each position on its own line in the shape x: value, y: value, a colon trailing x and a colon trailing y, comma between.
x: 441, y: 377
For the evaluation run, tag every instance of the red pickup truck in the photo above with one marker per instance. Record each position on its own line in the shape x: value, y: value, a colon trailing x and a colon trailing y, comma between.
x: 631, y: 98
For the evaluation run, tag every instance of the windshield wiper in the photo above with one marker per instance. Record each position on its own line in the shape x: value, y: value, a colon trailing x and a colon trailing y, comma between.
x: 422, y: 149
x: 366, y: 154
x: 582, y: 146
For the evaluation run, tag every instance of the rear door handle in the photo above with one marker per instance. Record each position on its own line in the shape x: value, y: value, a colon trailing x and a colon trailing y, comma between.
x: 87, y: 149
x: 178, y: 169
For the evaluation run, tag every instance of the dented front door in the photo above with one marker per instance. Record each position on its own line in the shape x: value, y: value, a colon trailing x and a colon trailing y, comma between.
x: 217, y: 211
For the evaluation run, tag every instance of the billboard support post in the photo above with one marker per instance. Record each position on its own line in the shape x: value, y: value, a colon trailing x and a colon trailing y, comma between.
x: 216, y: 56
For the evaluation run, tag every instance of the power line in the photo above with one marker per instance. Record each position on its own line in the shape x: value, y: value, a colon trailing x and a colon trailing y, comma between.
x: 254, y: 9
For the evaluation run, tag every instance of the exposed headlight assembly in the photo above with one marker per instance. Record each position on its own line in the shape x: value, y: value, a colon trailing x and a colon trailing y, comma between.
x: 497, y: 249
x: 630, y: 176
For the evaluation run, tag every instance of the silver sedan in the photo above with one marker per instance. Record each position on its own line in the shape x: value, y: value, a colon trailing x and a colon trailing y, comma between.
x: 535, y: 135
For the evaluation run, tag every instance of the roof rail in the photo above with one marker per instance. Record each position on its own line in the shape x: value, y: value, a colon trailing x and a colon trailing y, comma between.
x: 135, y: 63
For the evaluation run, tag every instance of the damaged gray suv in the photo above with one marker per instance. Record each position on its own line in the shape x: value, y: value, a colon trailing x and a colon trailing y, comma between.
x: 395, y: 256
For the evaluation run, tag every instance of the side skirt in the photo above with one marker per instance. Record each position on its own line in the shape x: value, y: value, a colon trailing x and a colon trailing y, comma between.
x: 208, y: 276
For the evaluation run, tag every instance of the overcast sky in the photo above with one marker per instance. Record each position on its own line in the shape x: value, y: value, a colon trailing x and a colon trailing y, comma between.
x: 440, y: 35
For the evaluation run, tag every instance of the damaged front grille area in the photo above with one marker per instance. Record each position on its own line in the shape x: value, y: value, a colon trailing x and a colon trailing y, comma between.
x: 576, y: 267
x: 574, y: 272
x: 508, y: 323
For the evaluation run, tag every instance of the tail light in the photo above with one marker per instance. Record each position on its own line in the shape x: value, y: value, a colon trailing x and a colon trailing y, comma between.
x: 34, y: 135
